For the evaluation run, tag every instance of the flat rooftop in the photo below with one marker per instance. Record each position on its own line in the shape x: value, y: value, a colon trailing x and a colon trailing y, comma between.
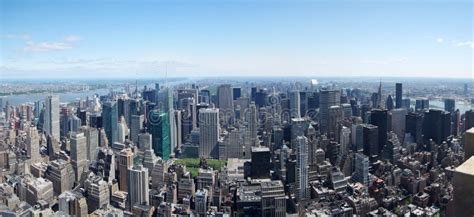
x: 467, y: 167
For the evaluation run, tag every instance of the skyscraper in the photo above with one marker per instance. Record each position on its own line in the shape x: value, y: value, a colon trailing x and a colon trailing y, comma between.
x: 370, y: 139
x: 252, y: 121
x: 158, y: 127
x: 327, y: 98
x: 78, y: 154
x: 379, y: 118
x: 463, y: 188
x: 166, y: 105
x: 225, y: 101
x: 32, y: 148
x: 398, y: 95
x: 110, y: 121
x: 208, y: 132
x: 361, y: 173
x: 436, y: 125
x: 295, y: 104
x: 138, y: 192
x: 51, y: 120
x: 261, y: 165
x: 449, y: 105
x: 302, y: 167
x: 469, y: 143
x: 125, y: 161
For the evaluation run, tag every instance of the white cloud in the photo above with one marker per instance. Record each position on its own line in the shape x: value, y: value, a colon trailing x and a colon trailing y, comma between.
x: 46, y: 46
x: 16, y: 36
x: 440, y: 40
x: 72, y: 38
x: 464, y: 44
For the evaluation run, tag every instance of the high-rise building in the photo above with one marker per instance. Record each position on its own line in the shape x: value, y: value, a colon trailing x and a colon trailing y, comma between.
x: 398, y: 95
x: 51, y: 119
x: 379, y: 118
x: 335, y: 118
x: 463, y: 188
x: 469, y: 143
x: 302, y: 167
x: 78, y: 154
x: 110, y: 121
x: 399, y: 122
x: 138, y: 192
x: 166, y: 105
x: 273, y: 198
x: 422, y: 104
x: 61, y: 173
x: 225, y: 102
x: 370, y: 139
x: 436, y: 125
x: 295, y: 109
x: 158, y: 127
x: 39, y: 189
x: 469, y: 119
x: 125, y: 161
x: 201, y: 202
x: 236, y: 93
x: 98, y: 194
x: 260, y: 168
x: 32, y: 147
x: 327, y: 98
x: 72, y: 203
x: 92, y: 141
x: 208, y: 132
x: 389, y: 103
x: 253, y: 121
x: 361, y: 173
x: 449, y: 105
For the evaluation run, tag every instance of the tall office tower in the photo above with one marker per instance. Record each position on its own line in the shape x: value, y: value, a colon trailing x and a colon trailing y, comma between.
x: 436, y: 125
x: 253, y: 121
x: 302, y: 182
x: 61, y: 173
x: 122, y: 130
x: 125, y: 161
x: 166, y: 104
x: 145, y: 141
x: 346, y: 110
x: 261, y: 165
x: 414, y: 126
x: 201, y: 202
x: 361, y: 173
x: 98, y: 194
x: 236, y: 93
x: 422, y: 104
x: 469, y: 119
x: 74, y: 123
x: 78, y: 154
x: 72, y: 203
x: 110, y: 121
x: 295, y: 104
x: 225, y: 101
x: 335, y: 118
x: 389, y: 103
x: 234, y: 142
x: 379, y: 118
x: 463, y: 188
x: 398, y: 95
x: 39, y: 189
x: 469, y: 143
x: 92, y: 141
x: 32, y: 146
x: 273, y: 198
x: 327, y: 98
x: 449, y: 105
x: 357, y: 137
x: 51, y: 119
x: 379, y: 96
x: 138, y: 192
x: 370, y: 139
x: 158, y: 127
x: 64, y: 117
x: 208, y: 132
x: 134, y: 109
x: 456, y: 129
x: 406, y: 103
x: 298, y: 128
x: 392, y: 149
x: 304, y: 103
x: 345, y: 140
x: 179, y: 132
x: 399, y: 122
x: 466, y: 88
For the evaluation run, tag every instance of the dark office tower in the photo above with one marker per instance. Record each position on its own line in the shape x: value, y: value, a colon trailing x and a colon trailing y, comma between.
x: 261, y: 98
x: 436, y: 126
x: 449, y: 105
x: 95, y: 120
x: 225, y: 102
x: 379, y: 118
x: 260, y: 168
x: 237, y: 92
x: 303, y: 103
x: 110, y: 121
x: 406, y: 103
x: 398, y: 95
x: 253, y: 93
x: 205, y: 97
x: 469, y: 120
x: 149, y: 95
x: 465, y: 89
x: 422, y: 104
x: 414, y: 126
x: 121, y: 107
x: 327, y: 98
x: 456, y: 123
x: 370, y: 138
x: 158, y: 126
x: 389, y: 103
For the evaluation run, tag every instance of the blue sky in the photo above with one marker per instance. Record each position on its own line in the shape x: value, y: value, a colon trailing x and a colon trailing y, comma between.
x: 94, y: 39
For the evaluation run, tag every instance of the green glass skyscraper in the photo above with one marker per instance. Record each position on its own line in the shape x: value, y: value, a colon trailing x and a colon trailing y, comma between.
x: 158, y: 127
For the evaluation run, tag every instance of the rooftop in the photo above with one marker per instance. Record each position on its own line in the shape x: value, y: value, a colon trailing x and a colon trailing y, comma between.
x: 467, y: 167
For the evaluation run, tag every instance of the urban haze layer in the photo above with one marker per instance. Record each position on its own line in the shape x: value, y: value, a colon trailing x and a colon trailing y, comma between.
x: 264, y: 146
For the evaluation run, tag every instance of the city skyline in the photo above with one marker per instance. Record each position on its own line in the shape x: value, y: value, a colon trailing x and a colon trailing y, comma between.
x: 156, y: 39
